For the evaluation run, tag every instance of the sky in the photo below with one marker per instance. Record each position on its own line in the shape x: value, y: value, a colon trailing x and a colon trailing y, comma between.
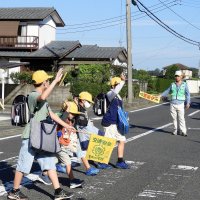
x: 103, y: 23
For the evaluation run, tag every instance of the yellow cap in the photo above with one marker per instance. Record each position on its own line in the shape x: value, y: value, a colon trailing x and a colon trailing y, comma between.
x: 86, y: 96
x: 115, y: 80
x: 40, y: 76
x: 73, y: 108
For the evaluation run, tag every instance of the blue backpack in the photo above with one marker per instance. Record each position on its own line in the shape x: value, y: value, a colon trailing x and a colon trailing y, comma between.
x: 122, y: 124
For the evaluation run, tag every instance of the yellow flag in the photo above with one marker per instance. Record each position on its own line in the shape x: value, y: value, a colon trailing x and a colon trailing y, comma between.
x: 100, y: 148
x: 149, y: 97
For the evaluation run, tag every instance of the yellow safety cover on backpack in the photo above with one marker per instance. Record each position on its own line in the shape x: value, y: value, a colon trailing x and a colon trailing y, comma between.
x: 100, y: 148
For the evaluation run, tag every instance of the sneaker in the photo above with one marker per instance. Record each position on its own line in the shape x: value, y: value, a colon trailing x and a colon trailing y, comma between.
x: 103, y: 166
x: 174, y: 133
x: 92, y: 171
x: 63, y: 195
x: 76, y: 183
x: 18, y: 195
x: 44, y: 179
x: 122, y: 165
x: 184, y: 134
x: 60, y: 168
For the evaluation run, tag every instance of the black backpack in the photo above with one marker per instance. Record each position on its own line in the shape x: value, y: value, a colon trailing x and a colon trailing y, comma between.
x: 20, y: 113
x: 100, y: 104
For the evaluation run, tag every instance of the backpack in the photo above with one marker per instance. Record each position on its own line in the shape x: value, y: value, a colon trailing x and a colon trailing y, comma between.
x: 122, y: 122
x: 100, y: 104
x: 20, y: 114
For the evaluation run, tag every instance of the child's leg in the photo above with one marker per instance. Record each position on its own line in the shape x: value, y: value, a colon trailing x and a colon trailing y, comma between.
x: 69, y: 172
x: 24, y: 164
x: 120, y: 152
x: 85, y: 163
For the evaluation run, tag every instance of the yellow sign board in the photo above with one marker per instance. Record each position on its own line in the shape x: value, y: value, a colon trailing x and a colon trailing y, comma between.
x: 100, y: 148
x: 149, y: 97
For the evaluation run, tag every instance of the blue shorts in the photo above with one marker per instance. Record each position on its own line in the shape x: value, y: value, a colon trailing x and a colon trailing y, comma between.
x: 27, y: 155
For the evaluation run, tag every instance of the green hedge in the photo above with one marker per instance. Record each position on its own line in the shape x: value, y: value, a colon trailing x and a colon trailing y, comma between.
x: 96, y: 88
x: 163, y: 84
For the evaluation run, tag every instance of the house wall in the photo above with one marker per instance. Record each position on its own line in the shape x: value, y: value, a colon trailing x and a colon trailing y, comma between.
x: 32, y: 30
x: 188, y: 73
x: 47, y: 32
x: 194, y: 86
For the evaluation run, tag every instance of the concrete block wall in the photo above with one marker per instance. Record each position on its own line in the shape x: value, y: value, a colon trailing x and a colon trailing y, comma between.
x: 59, y: 94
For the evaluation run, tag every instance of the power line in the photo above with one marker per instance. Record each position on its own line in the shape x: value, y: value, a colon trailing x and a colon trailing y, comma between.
x: 179, y: 15
x: 107, y: 26
x: 165, y: 26
x: 113, y: 19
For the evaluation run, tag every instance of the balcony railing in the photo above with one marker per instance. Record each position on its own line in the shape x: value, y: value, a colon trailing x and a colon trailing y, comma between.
x: 19, y: 42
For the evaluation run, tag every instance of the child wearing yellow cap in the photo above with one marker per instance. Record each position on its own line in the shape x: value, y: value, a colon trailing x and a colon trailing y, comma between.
x: 39, y: 107
x: 68, y: 142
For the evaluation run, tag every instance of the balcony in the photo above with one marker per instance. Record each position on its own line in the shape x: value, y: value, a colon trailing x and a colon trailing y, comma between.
x: 27, y: 43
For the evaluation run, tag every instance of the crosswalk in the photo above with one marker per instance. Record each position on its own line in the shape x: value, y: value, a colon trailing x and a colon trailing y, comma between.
x: 166, y: 186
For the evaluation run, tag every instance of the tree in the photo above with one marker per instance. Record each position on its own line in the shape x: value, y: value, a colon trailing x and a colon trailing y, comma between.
x: 171, y: 71
x: 141, y: 75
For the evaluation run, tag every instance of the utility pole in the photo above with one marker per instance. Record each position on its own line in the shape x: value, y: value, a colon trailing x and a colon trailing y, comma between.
x: 129, y: 50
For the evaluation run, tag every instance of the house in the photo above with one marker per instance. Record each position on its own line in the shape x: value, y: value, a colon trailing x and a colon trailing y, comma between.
x: 185, y: 70
x: 28, y: 35
x: 24, y: 30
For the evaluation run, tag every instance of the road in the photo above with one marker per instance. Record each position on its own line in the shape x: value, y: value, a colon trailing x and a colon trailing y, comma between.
x: 163, y: 166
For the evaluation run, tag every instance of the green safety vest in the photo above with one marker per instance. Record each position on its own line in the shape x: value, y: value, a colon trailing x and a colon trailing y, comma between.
x: 178, y: 92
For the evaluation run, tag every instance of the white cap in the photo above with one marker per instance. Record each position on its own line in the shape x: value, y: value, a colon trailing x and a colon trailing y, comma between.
x: 178, y: 73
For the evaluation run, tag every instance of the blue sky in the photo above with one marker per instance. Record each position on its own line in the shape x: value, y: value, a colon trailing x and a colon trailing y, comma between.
x: 103, y: 23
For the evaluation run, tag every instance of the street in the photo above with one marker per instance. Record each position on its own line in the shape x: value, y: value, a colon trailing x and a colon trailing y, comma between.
x: 162, y: 166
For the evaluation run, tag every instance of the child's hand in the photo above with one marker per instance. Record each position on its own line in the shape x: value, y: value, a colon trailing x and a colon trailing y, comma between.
x: 59, y: 75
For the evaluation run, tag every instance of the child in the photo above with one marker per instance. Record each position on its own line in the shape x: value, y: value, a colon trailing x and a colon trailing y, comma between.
x: 37, y: 102
x: 84, y: 124
x: 109, y: 121
x: 68, y: 141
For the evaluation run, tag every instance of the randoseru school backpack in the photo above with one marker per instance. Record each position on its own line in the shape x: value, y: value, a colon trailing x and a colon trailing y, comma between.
x: 20, y: 114
x: 100, y: 104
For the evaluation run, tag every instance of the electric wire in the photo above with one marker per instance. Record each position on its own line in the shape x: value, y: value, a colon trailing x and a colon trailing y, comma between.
x: 165, y: 26
x: 179, y: 16
x: 113, y: 19
x: 107, y: 26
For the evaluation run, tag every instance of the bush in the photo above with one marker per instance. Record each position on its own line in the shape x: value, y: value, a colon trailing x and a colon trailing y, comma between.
x: 21, y: 77
x: 24, y: 77
x: 163, y: 84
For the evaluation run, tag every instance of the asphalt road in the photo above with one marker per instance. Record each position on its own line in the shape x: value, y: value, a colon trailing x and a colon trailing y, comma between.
x: 163, y: 166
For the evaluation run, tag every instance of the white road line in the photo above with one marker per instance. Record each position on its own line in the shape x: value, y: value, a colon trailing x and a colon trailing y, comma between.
x: 193, y: 128
x: 191, y: 114
x: 132, y: 111
x: 1, y: 152
x: 154, y: 193
x: 148, y: 132
x: 4, y: 118
x: 148, y: 107
x: 11, y: 158
x: 184, y: 167
x: 9, y: 137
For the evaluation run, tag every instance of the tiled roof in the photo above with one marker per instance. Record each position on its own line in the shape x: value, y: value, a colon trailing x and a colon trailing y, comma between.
x: 23, y: 14
x: 56, y: 49
x: 15, y: 54
x: 93, y: 51
x: 6, y: 64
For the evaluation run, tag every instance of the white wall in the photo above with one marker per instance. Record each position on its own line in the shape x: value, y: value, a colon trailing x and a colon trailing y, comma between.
x: 194, y: 86
x: 47, y: 32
